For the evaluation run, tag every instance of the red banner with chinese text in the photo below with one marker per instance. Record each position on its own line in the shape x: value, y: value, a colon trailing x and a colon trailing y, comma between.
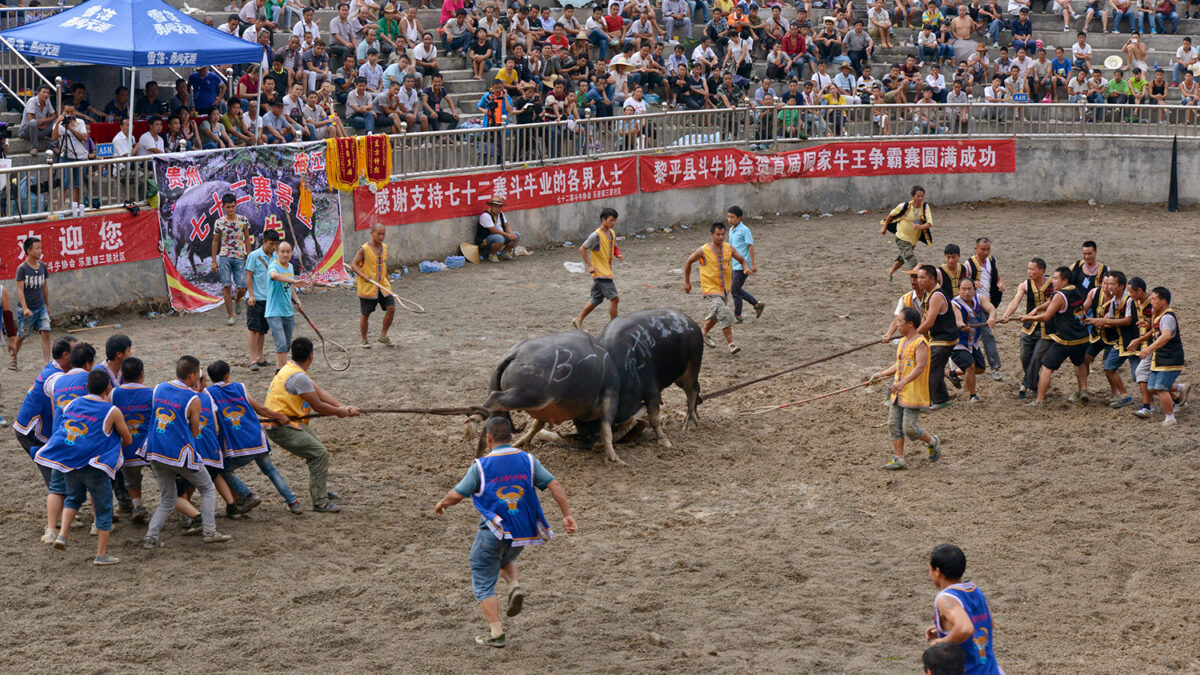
x: 79, y: 243
x: 830, y: 160
x: 416, y: 201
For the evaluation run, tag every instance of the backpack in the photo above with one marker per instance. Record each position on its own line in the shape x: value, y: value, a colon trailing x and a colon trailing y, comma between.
x: 925, y: 235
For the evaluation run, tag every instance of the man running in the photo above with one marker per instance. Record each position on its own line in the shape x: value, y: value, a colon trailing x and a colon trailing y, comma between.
x: 1114, y: 317
x: 1035, y: 339
x: 960, y: 612
x: 939, y: 326
x: 716, y: 277
x: 909, y: 393
x: 911, y: 222
x: 294, y: 394
x: 598, y: 251
x: 502, y: 485
x: 1069, y: 339
x: 972, y: 313
x: 986, y: 275
x: 370, y: 264
x: 742, y: 240
x: 1165, y: 352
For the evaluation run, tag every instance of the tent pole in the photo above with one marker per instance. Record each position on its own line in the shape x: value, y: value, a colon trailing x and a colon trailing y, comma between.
x: 132, y: 91
x: 258, y: 103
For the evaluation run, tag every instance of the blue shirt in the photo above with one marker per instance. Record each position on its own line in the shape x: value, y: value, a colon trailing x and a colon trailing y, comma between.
x: 741, y: 239
x: 37, y: 411
x: 279, y: 295
x: 257, y: 263
x: 1062, y: 67
x: 136, y: 403
x: 81, y: 441
x: 204, y: 89
x: 977, y: 651
x: 469, y: 484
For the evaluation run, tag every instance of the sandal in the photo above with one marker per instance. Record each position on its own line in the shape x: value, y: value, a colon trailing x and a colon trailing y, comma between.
x: 12, y: 365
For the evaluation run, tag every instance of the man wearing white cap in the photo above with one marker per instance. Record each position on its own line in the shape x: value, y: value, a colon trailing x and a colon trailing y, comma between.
x: 493, y: 235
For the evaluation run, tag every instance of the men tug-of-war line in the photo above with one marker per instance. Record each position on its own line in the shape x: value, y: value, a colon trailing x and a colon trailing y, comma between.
x: 92, y: 425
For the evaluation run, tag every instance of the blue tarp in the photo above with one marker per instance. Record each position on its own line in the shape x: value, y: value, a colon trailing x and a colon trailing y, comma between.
x: 130, y: 33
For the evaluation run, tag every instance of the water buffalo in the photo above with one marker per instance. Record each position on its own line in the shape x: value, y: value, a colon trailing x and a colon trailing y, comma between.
x: 601, y: 384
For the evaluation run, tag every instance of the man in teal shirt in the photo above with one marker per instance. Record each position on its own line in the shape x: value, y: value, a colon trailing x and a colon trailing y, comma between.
x: 258, y: 284
x: 742, y: 241
x: 280, y: 296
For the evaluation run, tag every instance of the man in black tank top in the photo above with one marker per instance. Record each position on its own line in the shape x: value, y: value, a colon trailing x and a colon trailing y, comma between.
x: 1066, y: 313
x: 1164, y: 348
x: 1034, y: 339
x: 942, y: 330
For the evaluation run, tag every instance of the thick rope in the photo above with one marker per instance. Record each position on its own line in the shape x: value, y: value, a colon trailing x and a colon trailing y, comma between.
x: 785, y: 371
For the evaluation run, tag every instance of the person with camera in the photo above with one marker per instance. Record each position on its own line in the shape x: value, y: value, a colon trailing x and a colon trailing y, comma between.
x: 70, y: 132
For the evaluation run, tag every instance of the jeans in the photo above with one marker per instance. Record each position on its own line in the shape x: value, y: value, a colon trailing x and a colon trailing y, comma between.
x: 90, y: 480
x: 702, y: 11
x: 303, y: 444
x: 1113, y: 361
x: 457, y: 44
x: 994, y: 29
x: 857, y: 59
x: 740, y: 293
x: 263, y: 460
x: 938, y: 357
x: 600, y: 39
x: 1116, y: 17
x: 1025, y: 42
x: 1179, y: 71
x: 1033, y: 348
x: 488, y: 555
x: 1161, y: 19
x: 684, y: 25
x: 902, y: 423
x: 168, y: 494
x: 928, y: 53
x: 232, y: 271
x: 364, y: 121
x: 989, y: 347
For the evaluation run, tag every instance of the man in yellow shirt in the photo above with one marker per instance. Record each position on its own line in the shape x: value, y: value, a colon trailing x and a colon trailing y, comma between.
x: 909, y: 392
x: 598, y: 251
x: 370, y: 264
x: 716, y: 280
x: 911, y: 222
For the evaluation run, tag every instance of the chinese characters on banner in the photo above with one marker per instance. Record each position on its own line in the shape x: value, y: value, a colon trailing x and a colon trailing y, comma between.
x: 416, y: 201
x: 831, y: 160
x: 79, y: 243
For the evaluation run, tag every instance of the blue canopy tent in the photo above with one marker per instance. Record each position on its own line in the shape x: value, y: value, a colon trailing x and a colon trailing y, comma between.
x: 132, y: 34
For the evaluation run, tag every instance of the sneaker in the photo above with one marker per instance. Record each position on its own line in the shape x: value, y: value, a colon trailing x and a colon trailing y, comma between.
x: 997, y: 376
x: 332, y: 496
x: 103, y: 560
x: 516, y: 600
x: 237, y: 307
x: 230, y: 321
x: 1075, y: 399
x: 151, y: 542
x: 385, y: 341
x: 93, y: 531
x: 492, y: 258
x: 365, y: 344
x: 1169, y: 422
x: 1066, y: 29
x: 232, y: 511
x: 758, y: 309
x: 254, y: 366
x: 934, y: 449
x: 216, y: 538
x: 1183, y: 395
x: 733, y: 349
x: 327, y: 507
x: 49, y: 535
x: 1085, y: 396
x: 3, y: 422
x: 709, y: 341
x: 737, y: 319
x: 939, y: 406
x: 974, y: 399
x: 1121, y: 402
x: 252, y: 500
x: 295, y: 507
x: 498, y: 642
x: 140, y: 514
x: 1021, y: 394
x: 60, y: 543
x: 895, y: 464
x: 1036, y: 404
x: 1143, y: 412
x: 955, y: 380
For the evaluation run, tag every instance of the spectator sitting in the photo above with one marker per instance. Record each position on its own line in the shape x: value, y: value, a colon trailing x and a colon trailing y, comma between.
x: 148, y: 104
x: 1185, y: 57
x: 480, y: 52
x: 83, y: 107
x: 279, y: 127
x: 456, y: 33
x: 118, y: 107
x: 316, y: 66
x: 369, y: 41
x: 151, y: 142
x: 318, y: 120
x: 438, y: 106
x: 360, y: 107
x: 235, y: 125
x: 410, y: 98
x: 181, y: 99
x: 343, y: 33
x: 1118, y: 91
x: 121, y: 141
x: 173, y: 139
x: 343, y: 79
x: 212, y: 132
x: 493, y: 235
x: 37, y: 119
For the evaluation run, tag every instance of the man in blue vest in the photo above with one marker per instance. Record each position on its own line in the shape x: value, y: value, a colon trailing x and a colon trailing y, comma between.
x: 502, y: 484
x: 961, y: 616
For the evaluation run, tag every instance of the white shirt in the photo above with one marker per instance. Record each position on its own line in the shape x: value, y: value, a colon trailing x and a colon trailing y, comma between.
x: 69, y: 144
x: 421, y: 54
x: 1077, y: 86
x: 985, y: 276
x: 120, y: 144
x: 937, y: 84
x: 927, y: 38
x: 592, y: 25
x: 291, y: 105
x: 1014, y: 6
x: 306, y: 32
x: 1080, y: 52
x: 149, y: 140
x: 989, y: 93
x: 820, y: 82
x: 224, y: 28
x: 701, y: 52
x: 1186, y: 56
x: 639, y: 107
x: 250, y: 34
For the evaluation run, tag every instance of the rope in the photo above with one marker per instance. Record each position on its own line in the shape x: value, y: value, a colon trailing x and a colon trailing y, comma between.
x: 785, y: 371
x: 403, y: 302
x: 468, y: 410
x: 767, y: 409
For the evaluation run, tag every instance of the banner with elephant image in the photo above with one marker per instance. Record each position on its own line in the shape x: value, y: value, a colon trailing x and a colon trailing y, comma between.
x: 284, y: 188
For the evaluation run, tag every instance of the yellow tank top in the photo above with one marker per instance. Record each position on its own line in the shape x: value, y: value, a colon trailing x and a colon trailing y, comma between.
x: 915, y: 394
x: 279, y: 400
x: 602, y: 257
x: 374, y: 267
x: 716, y: 274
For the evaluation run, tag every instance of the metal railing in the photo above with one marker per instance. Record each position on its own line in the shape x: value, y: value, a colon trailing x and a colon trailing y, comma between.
x: 38, y: 191
x: 19, y: 77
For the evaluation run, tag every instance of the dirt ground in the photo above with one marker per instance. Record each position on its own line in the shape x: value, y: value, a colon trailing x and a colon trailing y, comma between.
x: 771, y: 542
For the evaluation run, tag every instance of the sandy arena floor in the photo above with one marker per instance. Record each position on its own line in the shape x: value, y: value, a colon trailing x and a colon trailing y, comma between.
x: 771, y: 543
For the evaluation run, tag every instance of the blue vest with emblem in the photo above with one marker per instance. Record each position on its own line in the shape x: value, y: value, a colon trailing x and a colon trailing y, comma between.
x: 113, y: 377
x: 80, y: 440
x: 37, y: 411
x: 977, y: 651
x: 67, y: 388
x: 136, y: 402
x: 507, y: 498
x: 208, y: 443
x: 170, y: 439
x: 241, y: 433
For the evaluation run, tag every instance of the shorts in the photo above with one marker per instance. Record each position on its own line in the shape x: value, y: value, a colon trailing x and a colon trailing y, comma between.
x: 965, y: 359
x: 488, y: 555
x: 603, y: 289
x: 58, y: 483
x: 281, y: 332
x: 907, y: 257
x: 1057, y: 353
x: 232, y: 271
x: 1161, y: 380
x: 493, y: 239
x: 719, y: 311
x: 1113, y: 360
x: 367, y: 305
x: 1142, y: 372
x: 1096, y: 348
x: 39, y: 321
x: 256, y: 320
